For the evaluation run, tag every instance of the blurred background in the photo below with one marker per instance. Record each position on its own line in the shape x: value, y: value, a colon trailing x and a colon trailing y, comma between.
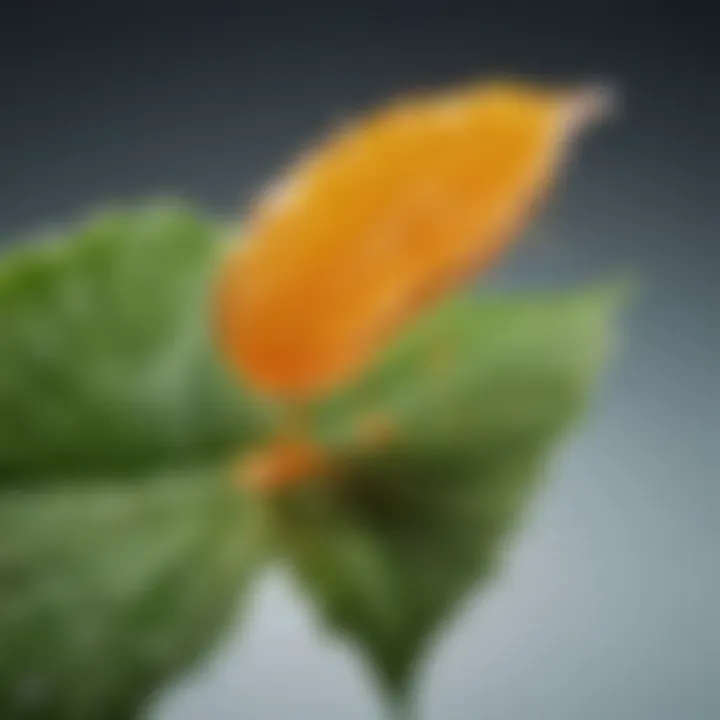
x: 609, y: 606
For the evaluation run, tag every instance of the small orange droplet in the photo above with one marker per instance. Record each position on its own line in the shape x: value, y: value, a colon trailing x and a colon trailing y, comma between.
x: 375, y: 431
x: 281, y: 463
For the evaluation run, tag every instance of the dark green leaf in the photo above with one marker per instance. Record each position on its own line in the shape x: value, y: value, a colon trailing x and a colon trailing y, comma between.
x: 473, y: 396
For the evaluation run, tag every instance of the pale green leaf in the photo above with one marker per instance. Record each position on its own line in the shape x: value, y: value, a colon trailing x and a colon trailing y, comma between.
x: 124, y: 546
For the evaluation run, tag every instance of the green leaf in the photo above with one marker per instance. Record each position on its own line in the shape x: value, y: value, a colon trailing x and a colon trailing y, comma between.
x: 124, y: 546
x: 475, y: 396
x: 108, y: 591
x: 105, y: 355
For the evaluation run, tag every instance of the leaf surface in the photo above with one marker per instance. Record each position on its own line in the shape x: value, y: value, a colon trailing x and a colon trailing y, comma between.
x: 471, y: 402
x: 124, y: 546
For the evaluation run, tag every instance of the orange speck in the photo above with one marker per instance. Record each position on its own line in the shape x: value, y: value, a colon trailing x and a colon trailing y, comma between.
x: 281, y: 463
x: 375, y: 430
x: 386, y: 216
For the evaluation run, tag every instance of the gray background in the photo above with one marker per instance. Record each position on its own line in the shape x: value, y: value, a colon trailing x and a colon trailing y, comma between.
x: 609, y: 606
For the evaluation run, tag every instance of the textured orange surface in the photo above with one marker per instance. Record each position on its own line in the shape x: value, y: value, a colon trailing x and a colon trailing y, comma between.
x: 366, y: 230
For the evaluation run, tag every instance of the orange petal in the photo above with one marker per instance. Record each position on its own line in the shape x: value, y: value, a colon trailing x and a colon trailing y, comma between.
x: 387, y: 215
